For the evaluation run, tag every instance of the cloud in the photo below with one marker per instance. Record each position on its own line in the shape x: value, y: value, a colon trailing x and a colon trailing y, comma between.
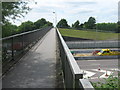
x: 87, y: 11
x: 119, y: 11
x: 79, y: 11
x: 81, y: 3
x: 72, y: 10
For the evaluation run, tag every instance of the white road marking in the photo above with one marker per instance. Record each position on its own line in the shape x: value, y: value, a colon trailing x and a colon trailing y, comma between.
x: 115, y: 69
x: 94, y: 77
x: 104, y: 71
x: 91, y: 60
x: 89, y: 74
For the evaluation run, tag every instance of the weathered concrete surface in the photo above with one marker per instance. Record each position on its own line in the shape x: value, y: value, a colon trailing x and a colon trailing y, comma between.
x: 37, y: 69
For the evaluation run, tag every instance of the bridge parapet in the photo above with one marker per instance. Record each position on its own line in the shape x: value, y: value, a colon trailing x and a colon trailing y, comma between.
x: 73, y: 77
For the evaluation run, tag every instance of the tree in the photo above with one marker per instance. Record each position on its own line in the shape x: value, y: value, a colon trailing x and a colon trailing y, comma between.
x: 62, y: 24
x: 26, y: 26
x: 13, y: 10
x: 81, y: 26
x: 118, y: 26
x: 47, y: 24
x: 40, y: 23
x: 85, y: 26
x: 90, y: 24
x: 76, y: 25
x: 108, y: 27
x: 8, y: 29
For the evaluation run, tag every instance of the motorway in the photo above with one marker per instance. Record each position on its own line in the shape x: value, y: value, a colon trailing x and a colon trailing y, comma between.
x: 87, y: 54
x: 90, y: 68
x: 91, y: 50
x: 95, y: 70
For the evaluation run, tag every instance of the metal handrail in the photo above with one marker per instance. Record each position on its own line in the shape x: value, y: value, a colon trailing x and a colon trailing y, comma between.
x: 73, y: 77
x: 16, y: 35
x: 15, y: 46
x: 74, y: 66
x: 85, y: 84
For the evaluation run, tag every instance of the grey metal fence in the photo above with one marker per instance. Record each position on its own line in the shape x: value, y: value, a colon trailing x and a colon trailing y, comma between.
x: 93, y: 44
x: 13, y: 47
x: 71, y: 71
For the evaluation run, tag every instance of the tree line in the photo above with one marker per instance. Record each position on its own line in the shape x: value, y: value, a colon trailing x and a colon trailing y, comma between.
x: 10, y: 29
x: 90, y: 24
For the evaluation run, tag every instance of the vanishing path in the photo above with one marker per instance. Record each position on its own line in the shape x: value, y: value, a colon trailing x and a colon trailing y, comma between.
x: 37, y: 69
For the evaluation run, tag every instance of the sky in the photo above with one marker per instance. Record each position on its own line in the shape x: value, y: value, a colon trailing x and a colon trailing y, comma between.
x: 119, y: 11
x: 72, y: 10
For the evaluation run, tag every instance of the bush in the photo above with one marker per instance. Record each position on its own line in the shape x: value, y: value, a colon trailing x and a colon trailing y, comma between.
x: 111, y: 83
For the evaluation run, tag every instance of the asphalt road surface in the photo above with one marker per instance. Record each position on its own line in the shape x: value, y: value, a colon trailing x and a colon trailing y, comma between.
x: 96, y: 70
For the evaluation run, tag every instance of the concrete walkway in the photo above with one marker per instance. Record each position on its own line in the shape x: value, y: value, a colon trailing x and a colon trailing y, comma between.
x: 37, y: 69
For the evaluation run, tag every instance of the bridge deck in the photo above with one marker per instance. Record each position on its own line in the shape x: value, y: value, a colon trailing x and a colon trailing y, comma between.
x: 37, y: 69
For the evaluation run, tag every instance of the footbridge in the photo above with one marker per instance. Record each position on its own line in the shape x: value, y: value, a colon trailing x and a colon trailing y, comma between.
x: 40, y: 59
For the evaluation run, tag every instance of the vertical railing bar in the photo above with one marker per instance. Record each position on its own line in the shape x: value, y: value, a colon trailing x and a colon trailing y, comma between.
x: 12, y: 49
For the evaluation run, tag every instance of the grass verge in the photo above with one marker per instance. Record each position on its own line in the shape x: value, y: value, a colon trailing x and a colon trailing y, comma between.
x: 86, y: 34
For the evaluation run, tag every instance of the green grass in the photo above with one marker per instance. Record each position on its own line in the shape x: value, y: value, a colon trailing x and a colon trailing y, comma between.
x: 89, y: 34
x: 110, y: 83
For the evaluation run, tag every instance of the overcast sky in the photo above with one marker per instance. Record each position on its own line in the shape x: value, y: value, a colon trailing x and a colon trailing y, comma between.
x: 72, y: 10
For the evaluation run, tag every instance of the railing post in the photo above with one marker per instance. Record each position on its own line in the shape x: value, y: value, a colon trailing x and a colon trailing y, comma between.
x: 22, y: 43
x: 12, y: 49
x: 85, y: 84
x: 77, y: 77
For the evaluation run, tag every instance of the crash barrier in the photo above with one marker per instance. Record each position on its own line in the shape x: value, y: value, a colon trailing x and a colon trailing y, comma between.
x: 93, y: 44
x: 73, y: 77
x: 89, y: 51
x: 14, y: 47
x: 97, y: 57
